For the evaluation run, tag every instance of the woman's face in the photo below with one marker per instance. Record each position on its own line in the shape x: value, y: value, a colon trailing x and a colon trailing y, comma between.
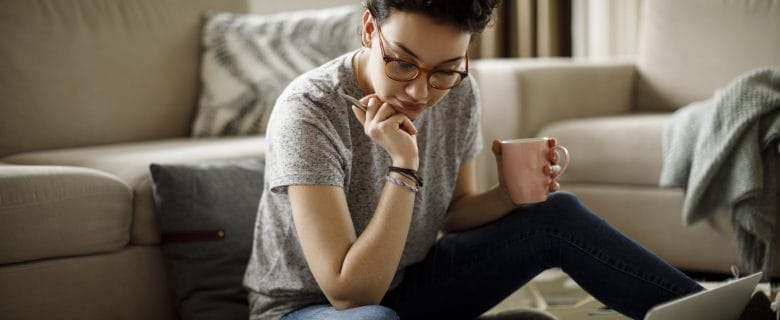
x: 418, y: 40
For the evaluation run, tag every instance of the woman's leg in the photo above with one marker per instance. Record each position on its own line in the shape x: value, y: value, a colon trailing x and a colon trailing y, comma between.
x: 327, y: 312
x: 467, y: 273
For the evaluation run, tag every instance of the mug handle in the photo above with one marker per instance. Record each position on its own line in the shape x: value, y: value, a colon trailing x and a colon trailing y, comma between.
x: 566, y: 159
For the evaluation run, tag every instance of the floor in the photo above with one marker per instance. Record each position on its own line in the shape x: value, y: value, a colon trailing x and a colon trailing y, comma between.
x: 554, y: 292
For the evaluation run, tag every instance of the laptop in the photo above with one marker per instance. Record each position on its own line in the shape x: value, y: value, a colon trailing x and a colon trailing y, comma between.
x: 722, y: 303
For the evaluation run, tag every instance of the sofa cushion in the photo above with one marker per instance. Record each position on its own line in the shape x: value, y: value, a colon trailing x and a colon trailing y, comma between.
x: 206, y: 213
x: 249, y: 59
x: 618, y: 150
x: 125, y: 284
x: 130, y: 162
x: 98, y: 71
x: 688, y: 49
x: 53, y: 211
x: 652, y: 217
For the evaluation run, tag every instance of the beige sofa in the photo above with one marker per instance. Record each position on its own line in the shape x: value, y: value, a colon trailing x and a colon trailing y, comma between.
x: 93, y: 91
x: 610, y: 114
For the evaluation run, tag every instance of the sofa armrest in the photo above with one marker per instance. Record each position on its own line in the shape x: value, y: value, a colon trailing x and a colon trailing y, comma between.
x: 521, y: 96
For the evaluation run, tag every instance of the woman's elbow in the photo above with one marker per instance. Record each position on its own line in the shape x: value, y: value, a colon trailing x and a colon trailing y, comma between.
x: 348, y: 298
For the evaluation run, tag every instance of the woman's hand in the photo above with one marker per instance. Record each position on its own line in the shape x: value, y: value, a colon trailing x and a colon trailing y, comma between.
x: 551, y: 170
x: 391, y: 130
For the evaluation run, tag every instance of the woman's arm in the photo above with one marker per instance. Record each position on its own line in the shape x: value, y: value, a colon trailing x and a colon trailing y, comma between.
x: 468, y: 209
x: 356, y: 270
x: 351, y: 271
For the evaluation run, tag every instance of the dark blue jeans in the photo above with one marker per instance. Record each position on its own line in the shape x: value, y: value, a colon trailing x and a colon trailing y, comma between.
x: 467, y: 273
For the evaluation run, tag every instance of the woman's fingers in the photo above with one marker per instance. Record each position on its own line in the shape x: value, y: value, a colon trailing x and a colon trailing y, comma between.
x: 359, y: 114
x: 376, y: 110
x: 554, y: 186
x: 398, y: 121
x: 496, y: 148
x: 381, y: 116
x: 553, y: 156
x: 552, y: 170
x: 384, y: 112
x: 372, y: 106
x: 407, y: 125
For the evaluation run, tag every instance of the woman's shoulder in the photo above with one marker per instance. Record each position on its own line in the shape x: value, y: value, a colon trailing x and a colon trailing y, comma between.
x: 466, y: 92
x: 312, y: 98
x: 319, y: 85
x: 463, y: 100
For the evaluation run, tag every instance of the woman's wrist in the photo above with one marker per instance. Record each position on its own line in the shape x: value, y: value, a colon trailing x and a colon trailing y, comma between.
x: 502, y: 197
x: 409, y: 173
x: 411, y: 163
x: 402, y: 177
x: 404, y: 182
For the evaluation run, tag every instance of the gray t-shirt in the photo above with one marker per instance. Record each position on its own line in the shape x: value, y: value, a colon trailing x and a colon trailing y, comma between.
x: 313, y: 138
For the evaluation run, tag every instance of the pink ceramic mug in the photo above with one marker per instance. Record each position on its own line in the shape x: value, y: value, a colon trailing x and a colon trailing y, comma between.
x: 523, y: 162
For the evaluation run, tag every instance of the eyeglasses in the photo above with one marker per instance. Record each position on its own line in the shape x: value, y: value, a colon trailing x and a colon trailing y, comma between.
x: 402, y: 70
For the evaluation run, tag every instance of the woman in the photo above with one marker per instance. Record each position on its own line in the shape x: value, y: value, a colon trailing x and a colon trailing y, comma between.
x: 348, y: 228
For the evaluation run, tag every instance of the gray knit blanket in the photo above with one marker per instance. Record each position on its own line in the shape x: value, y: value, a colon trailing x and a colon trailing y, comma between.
x: 723, y: 152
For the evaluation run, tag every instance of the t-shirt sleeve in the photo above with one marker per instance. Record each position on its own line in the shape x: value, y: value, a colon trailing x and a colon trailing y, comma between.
x: 303, y: 146
x: 473, y: 134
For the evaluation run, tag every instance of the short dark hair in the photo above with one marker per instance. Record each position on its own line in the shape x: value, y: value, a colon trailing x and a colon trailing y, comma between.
x: 467, y: 15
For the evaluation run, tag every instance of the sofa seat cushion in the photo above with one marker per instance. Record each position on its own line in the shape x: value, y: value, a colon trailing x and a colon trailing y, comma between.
x: 55, y: 211
x: 124, y: 284
x: 130, y: 163
x: 622, y: 149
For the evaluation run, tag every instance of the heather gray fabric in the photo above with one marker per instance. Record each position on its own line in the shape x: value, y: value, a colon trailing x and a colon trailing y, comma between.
x: 723, y: 152
x: 314, y: 138
x: 206, y: 197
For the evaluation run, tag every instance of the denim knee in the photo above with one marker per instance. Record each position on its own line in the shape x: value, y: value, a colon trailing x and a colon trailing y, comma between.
x: 561, y: 207
x: 374, y: 312
x: 563, y: 198
x: 327, y: 312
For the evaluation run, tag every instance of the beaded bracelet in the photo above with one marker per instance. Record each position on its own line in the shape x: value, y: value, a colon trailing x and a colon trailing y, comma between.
x: 398, y: 182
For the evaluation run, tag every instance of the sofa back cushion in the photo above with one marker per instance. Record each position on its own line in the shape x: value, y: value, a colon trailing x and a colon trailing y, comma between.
x: 689, y: 48
x: 89, y: 72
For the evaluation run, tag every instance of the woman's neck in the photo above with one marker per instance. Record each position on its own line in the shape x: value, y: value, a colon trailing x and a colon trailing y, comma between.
x: 358, y: 65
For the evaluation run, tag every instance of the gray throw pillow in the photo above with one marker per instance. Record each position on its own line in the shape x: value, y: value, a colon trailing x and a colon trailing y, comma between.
x: 248, y: 59
x: 206, y: 212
